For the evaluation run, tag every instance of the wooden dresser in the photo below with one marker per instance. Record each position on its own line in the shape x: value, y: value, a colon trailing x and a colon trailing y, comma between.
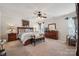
x: 51, y: 34
x: 12, y: 36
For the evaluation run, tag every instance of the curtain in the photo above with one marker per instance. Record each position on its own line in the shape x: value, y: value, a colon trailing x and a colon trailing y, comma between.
x: 41, y: 27
x: 71, y: 27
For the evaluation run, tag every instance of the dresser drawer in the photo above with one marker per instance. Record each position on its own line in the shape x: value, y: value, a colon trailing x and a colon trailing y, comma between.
x: 52, y: 34
x: 11, y: 36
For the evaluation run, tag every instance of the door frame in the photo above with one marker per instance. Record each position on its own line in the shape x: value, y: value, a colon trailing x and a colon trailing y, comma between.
x: 77, y: 12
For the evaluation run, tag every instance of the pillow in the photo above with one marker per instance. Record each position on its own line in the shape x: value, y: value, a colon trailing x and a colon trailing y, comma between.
x: 28, y: 30
x: 21, y: 30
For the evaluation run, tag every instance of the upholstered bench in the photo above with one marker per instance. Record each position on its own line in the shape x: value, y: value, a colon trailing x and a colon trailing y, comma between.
x: 2, y: 52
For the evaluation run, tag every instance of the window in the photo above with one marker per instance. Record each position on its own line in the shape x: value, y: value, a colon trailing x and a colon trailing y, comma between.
x: 71, y: 26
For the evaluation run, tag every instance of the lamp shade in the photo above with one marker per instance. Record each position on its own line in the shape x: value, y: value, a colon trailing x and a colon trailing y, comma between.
x: 11, y: 28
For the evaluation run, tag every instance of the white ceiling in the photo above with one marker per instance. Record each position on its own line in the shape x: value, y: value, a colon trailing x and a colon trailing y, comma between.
x: 51, y: 9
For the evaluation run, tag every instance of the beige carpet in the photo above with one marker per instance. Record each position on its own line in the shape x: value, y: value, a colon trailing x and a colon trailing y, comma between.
x: 48, y: 48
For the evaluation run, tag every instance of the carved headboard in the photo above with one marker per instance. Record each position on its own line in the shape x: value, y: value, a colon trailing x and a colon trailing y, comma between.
x: 24, y: 29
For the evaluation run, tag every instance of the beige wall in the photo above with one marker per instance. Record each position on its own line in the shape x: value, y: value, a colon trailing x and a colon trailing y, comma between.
x: 61, y: 24
x: 13, y: 18
x: 9, y: 17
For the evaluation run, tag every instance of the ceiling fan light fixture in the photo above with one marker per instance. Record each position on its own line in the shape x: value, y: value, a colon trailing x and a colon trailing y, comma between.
x: 40, y: 15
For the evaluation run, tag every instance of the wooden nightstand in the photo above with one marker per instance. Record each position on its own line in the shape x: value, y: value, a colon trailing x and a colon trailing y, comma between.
x: 12, y: 36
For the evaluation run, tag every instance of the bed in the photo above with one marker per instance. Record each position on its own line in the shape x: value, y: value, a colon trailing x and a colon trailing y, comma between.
x: 26, y: 35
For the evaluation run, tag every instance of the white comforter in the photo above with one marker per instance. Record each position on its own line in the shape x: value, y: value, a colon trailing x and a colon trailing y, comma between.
x: 26, y: 36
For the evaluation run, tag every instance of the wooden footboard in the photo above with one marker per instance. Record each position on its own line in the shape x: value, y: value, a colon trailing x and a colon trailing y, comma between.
x: 27, y: 42
x: 22, y: 30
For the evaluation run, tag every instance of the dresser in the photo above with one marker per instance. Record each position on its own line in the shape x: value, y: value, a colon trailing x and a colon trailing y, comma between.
x: 12, y: 36
x: 52, y: 34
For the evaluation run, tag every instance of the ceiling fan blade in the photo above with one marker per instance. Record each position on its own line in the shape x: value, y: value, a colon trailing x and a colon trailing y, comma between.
x: 34, y: 13
x: 44, y: 13
x: 44, y: 17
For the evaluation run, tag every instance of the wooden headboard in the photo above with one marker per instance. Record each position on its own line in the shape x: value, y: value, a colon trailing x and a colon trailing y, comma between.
x: 23, y: 29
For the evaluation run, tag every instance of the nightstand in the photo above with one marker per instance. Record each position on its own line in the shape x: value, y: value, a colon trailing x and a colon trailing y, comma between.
x: 12, y: 36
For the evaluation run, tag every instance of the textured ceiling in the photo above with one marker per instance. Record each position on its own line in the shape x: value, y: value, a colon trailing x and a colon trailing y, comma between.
x: 51, y: 9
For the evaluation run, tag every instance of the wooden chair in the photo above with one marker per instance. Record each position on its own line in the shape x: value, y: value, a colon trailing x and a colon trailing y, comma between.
x: 71, y: 40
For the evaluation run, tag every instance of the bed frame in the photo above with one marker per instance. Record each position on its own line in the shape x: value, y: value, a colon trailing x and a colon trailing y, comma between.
x: 23, y: 28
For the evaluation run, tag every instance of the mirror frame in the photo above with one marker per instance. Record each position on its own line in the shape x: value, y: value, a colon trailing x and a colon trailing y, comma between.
x: 53, y: 24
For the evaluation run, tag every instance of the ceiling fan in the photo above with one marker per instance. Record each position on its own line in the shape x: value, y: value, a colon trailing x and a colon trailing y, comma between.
x: 40, y: 14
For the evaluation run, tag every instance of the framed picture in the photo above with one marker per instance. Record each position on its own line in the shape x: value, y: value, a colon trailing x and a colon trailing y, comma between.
x: 52, y: 26
x: 25, y: 23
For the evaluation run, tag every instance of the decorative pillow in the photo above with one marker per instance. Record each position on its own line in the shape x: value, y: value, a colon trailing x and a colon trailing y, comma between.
x: 21, y: 30
x: 28, y: 30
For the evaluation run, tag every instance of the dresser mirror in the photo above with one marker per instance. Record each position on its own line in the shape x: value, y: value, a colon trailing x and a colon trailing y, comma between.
x: 52, y: 26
